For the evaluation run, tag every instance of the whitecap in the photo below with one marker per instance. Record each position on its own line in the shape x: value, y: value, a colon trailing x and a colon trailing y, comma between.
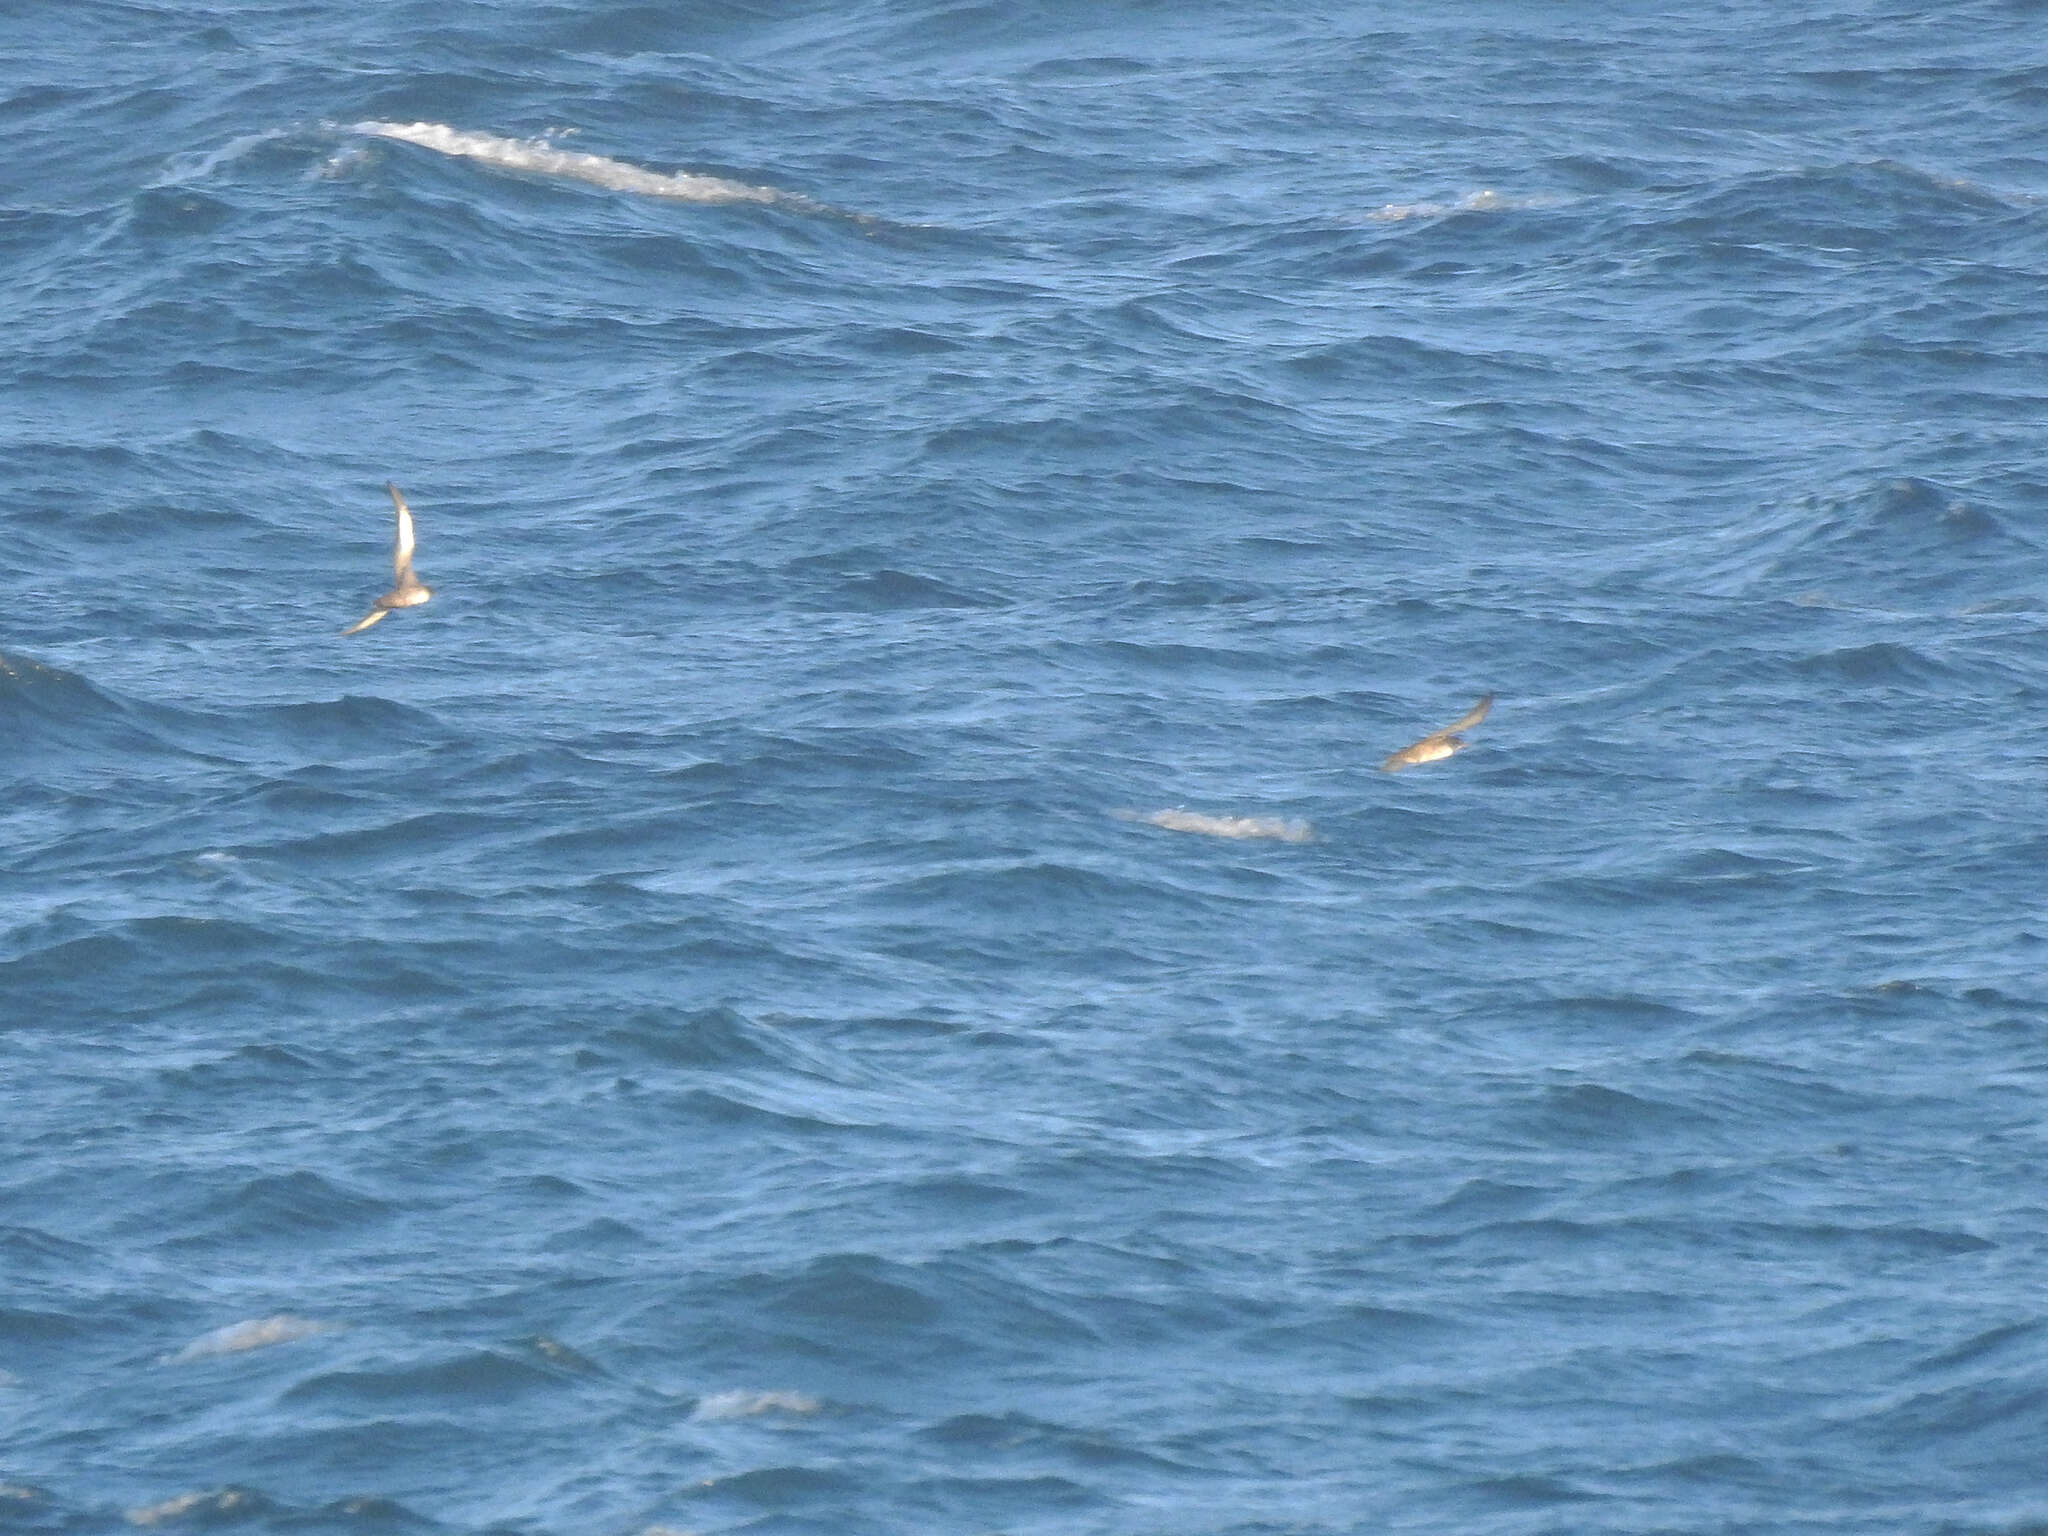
x: 200, y: 165
x: 747, y: 1405
x: 256, y: 1333
x: 1279, y: 828
x: 1485, y: 200
x: 540, y: 158
x: 222, y: 1501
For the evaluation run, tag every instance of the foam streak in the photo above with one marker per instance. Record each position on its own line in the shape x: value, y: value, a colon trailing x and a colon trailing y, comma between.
x: 1277, y: 827
x: 257, y: 1333
x: 540, y: 158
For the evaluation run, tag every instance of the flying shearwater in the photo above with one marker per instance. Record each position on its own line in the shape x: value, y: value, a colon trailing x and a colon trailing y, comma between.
x: 1439, y: 744
x: 409, y: 591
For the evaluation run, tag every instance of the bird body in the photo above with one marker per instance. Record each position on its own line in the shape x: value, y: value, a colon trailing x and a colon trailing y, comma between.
x: 407, y: 591
x: 1439, y: 745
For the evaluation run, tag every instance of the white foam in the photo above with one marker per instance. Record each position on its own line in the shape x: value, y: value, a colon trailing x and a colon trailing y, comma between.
x: 225, y: 1501
x: 184, y: 169
x: 1279, y: 828
x: 256, y: 1333
x: 1485, y: 200
x: 746, y: 1405
x: 540, y: 158
x: 343, y: 162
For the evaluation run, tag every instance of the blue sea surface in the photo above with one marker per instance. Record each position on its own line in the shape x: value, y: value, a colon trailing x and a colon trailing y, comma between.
x: 855, y: 970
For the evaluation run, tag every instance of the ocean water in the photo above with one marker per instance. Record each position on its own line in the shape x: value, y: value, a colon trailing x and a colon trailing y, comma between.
x: 855, y: 969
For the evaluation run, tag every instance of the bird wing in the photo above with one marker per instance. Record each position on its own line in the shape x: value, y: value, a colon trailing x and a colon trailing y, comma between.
x: 401, y: 554
x: 1470, y: 718
x: 1424, y: 751
x: 366, y: 621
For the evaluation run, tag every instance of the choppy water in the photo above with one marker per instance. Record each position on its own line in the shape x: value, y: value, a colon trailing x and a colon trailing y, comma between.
x: 727, y: 1019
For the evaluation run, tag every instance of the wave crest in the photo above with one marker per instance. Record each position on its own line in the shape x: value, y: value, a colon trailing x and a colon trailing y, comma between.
x: 747, y: 1405
x: 1279, y: 828
x: 538, y: 157
x: 256, y: 1333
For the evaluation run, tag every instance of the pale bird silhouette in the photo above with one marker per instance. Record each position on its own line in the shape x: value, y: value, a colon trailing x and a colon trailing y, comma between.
x: 407, y: 591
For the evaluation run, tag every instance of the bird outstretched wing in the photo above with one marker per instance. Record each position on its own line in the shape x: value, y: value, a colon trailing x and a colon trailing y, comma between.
x: 1438, y: 745
x: 401, y: 553
x: 1470, y: 718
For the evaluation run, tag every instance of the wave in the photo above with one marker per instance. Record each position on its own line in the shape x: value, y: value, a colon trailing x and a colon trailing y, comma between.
x: 1897, y: 543
x: 42, y: 706
x: 28, y: 672
x: 540, y: 158
x: 215, y: 1505
x: 1485, y: 200
x: 747, y: 1405
x: 191, y: 167
x: 256, y: 1333
x: 1280, y: 828
x: 239, y: 1505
